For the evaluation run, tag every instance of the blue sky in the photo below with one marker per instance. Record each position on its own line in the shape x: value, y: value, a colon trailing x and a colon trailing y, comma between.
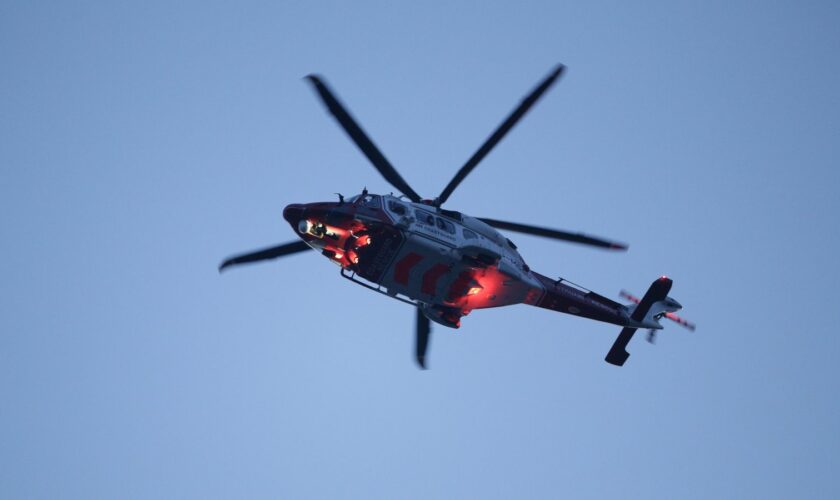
x: 141, y: 144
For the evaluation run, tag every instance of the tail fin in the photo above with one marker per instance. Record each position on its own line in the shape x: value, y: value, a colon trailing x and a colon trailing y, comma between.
x: 658, y: 292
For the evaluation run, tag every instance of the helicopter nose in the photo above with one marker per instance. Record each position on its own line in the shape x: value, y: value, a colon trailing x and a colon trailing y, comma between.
x: 293, y: 213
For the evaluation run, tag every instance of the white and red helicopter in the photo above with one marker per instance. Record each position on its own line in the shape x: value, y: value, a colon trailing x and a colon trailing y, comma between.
x: 446, y: 263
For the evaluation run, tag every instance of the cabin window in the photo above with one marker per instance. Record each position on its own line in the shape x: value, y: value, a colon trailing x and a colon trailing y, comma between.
x: 445, y: 225
x: 425, y: 217
x: 470, y: 235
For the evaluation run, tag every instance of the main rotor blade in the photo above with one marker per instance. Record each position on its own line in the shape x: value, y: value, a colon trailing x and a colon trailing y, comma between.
x: 500, y: 132
x: 361, y: 139
x: 265, y: 254
x: 555, y: 234
x: 422, y: 338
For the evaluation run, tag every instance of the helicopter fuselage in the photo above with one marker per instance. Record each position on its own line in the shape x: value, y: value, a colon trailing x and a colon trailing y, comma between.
x: 445, y: 262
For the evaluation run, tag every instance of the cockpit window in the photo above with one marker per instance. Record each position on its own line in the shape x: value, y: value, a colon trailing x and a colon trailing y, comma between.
x: 397, y: 208
x: 469, y: 234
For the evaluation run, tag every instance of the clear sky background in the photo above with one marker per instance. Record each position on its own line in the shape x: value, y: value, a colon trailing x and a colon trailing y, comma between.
x: 141, y: 143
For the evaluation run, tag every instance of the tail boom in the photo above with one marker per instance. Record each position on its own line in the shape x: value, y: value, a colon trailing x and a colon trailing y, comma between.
x: 565, y: 297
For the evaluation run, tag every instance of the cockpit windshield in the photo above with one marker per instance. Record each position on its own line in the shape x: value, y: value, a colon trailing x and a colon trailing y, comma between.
x: 369, y: 200
x: 366, y: 199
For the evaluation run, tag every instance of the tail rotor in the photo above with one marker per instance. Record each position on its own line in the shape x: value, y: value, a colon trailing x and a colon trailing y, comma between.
x: 672, y: 316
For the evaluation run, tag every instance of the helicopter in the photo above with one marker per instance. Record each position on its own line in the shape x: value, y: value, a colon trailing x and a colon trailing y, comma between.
x: 446, y: 263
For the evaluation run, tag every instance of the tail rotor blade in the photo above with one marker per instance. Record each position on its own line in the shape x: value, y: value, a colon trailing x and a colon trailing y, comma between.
x: 361, y: 139
x: 555, y: 234
x: 422, y: 338
x: 499, y: 133
x: 629, y: 296
x: 687, y: 324
x: 265, y: 254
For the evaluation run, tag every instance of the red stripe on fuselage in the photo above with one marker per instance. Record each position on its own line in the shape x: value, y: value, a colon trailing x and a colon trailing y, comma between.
x: 459, y: 286
x: 431, y: 277
x: 403, y: 267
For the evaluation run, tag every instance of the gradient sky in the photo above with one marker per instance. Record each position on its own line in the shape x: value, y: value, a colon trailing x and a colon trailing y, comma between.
x: 141, y: 143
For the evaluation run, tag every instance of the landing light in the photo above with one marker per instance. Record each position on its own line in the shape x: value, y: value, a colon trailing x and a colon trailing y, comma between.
x: 474, y: 290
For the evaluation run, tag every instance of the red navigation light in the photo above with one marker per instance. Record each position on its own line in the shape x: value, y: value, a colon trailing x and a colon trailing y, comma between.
x: 474, y: 290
